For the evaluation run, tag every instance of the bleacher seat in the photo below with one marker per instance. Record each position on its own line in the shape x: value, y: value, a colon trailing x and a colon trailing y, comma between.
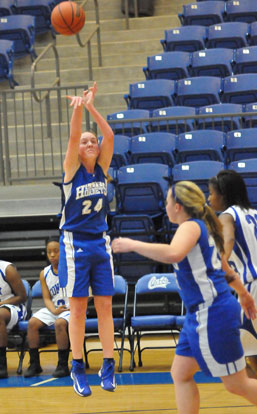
x: 21, y: 30
x: 203, y: 14
x: 231, y: 35
x: 111, y: 190
x: 246, y: 60
x: 223, y: 123
x: 185, y: 39
x: 247, y: 168
x: 154, y: 147
x: 6, y: 61
x: 241, y: 144
x: 250, y: 120
x: 240, y: 88
x: 124, y: 126
x: 142, y: 189
x: 151, y: 94
x: 198, y: 91
x: 121, y: 149
x: 200, y: 145
x: 253, y: 34
x: 241, y: 11
x: 212, y: 62
x: 5, y: 7
x: 168, y: 65
x: 175, y: 126
x: 41, y: 9
x: 198, y: 171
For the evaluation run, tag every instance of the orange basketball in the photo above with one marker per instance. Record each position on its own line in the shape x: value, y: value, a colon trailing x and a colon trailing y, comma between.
x: 68, y: 18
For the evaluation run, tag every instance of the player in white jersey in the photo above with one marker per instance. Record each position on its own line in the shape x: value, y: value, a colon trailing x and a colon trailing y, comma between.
x: 210, y: 338
x: 12, y: 308
x: 228, y: 195
x: 55, y: 313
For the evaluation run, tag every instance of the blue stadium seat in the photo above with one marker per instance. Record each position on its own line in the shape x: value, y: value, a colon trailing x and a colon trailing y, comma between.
x: 175, y: 126
x: 5, y: 7
x: 203, y: 13
x: 200, y: 145
x: 198, y: 171
x: 154, y: 147
x: 241, y: 11
x: 250, y: 120
x: 240, y: 88
x: 231, y: 35
x: 241, y: 144
x: 198, y: 91
x: 111, y: 190
x: 121, y: 149
x: 168, y: 65
x: 21, y: 30
x: 212, y: 62
x: 6, y: 61
x: 253, y: 34
x: 247, y: 168
x: 185, y: 38
x: 121, y: 122
x: 41, y: 9
x: 224, y: 123
x: 246, y: 60
x: 142, y: 189
x: 151, y: 94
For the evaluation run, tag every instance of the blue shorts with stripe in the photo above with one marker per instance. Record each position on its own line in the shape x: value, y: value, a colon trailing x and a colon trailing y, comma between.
x: 211, y: 335
x: 85, y: 261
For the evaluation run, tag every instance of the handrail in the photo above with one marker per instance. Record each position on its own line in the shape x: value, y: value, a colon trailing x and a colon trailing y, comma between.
x: 88, y: 39
x: 127, y: 11
x: 33, y: 69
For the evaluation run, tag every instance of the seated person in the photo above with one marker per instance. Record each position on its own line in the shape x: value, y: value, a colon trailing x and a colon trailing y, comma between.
x: 55, y: 313
x: 12, y: 308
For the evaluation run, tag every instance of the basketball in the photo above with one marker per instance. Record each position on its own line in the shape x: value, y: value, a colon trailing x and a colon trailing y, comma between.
x: 68, y: 18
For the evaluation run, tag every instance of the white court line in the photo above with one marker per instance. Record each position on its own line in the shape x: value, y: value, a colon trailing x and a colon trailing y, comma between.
x: 43, y: 382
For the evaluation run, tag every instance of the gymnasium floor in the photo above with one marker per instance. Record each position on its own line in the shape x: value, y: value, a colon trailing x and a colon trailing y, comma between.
x: 148, y: 390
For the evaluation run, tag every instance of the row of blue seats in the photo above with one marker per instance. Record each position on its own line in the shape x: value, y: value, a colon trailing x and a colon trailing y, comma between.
x: 219, y: 62
x: 207, y: 13
x: 171, y: 149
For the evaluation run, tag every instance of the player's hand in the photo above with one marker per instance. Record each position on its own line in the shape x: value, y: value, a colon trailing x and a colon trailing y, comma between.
x: 76, y: 101
x: 89, y: 95
x: 61, y: 309
x: 122, y: 245
x: 248, y: 305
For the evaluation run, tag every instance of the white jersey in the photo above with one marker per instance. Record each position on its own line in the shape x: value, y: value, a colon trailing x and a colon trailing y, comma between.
x: 244, y: 255
x: 52, y: 281
x: 5, y: 289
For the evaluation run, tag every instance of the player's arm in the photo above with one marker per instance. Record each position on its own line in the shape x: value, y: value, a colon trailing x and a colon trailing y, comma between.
x: 46, y: 293
x: 182, y: 243
x: 14, y: 280
x: 106, y: 148
x: 228, y: 233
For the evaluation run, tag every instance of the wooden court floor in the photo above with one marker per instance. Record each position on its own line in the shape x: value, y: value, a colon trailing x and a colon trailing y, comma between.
x: 137, y: 393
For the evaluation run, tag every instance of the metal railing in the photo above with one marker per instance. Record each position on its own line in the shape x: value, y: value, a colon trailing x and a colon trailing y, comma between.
x: 127, y: 11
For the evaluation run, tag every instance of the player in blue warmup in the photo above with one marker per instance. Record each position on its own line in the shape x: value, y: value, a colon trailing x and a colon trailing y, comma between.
x: 12, y: 308
x: 85, y: 251
x: 210, y: 338
x: 56, y: 312
x: 228, y: 195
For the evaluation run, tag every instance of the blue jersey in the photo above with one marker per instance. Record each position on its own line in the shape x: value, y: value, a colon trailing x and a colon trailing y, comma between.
x: 85, y: 208
x: 199, y: 274
x: 244, y: 255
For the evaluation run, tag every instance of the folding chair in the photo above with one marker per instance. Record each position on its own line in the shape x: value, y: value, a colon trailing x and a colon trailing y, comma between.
x: 241, y: 11
x: 224, y: 123
x: 125, y: 122
x: 5, y: 7
x: 176, y: 125
x: 185, y: 38
x: 142, y: 189
x: 240, y: 89
x: 231, y: 35
x: 250, y: 121
x: 198, y: 91
x: 168, y: 65
x: 253, y: 34
x: 6, y: 61
x: 154, y: 147
x: 151, y: 94
x: 241, y: 144
x: 121, y: 150
x: 203, y: 13
x: 160, y: 292
x: 21, y: 30
x: 200, y: 145
x: 247, y: 168
x: 120, y: 320
x: 212, y: 62
x: 246, y: 60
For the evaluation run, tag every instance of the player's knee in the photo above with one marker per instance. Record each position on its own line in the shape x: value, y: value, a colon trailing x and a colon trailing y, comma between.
x: 33, y: 325
x: 234, y: 388
x: 60, y: 325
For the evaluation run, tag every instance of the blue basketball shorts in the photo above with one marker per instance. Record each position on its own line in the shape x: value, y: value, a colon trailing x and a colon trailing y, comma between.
x: 85, y: 261
x: 211, y: 335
